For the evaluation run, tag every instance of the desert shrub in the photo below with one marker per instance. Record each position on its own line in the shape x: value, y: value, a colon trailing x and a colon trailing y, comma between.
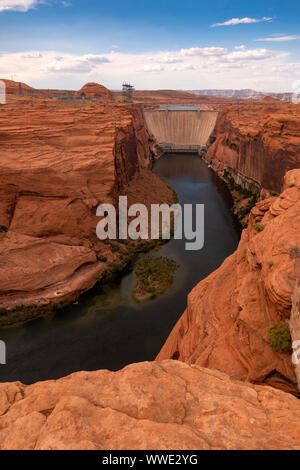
x: 3, y: 228
x: 258, y: 227
x: 154, y: 277
x: 103, y: 259
x: 294, y: 252
x: 270, y: 263
x: 114, y: 247
x: 247, y: 209
x: 280, y: 337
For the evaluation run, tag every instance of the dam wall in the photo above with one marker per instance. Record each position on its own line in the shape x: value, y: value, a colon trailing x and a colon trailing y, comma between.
x: 181, y: 129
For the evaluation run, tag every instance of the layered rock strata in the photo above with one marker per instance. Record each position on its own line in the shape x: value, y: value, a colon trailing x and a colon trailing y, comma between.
x: 58, y: 163
x: 257, y: 142
x: 149, y: 406
x: 228, y: 315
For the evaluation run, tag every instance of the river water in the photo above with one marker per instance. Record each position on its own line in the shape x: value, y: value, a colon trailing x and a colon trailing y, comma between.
x: 108, y: 329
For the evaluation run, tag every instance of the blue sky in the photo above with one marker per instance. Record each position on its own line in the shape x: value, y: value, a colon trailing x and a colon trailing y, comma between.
x: 154, y: 44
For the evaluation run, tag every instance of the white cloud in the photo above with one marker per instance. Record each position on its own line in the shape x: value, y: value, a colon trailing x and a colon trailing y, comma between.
x: 189, y: 68
x: 151, y: 68
x: 250, y: 54
x: 168, y: 59
x: 80, y: 64
x: 290, y: 68
x: 246, y: 20
x: 279, y: 39
x: 183, y: 68
x: 17, y: 5
x: 228, y: 65
x: 25, y: 5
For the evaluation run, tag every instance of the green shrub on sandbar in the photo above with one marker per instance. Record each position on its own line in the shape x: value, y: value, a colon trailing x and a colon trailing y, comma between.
x: 280, y: 337
x: 154, y: 277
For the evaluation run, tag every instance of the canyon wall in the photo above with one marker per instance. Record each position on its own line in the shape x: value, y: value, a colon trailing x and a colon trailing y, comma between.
x: 259, y: 141
x: 228, y: 315
x: 89, y: 91
x: 58, y: 163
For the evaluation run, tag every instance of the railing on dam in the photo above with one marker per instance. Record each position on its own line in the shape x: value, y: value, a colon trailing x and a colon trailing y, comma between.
x: 171, y: 148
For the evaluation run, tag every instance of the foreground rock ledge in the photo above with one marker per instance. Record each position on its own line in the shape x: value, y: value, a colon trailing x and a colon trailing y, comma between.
x: 152, y: 406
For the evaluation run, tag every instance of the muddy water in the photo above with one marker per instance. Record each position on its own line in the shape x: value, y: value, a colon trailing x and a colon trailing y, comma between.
x: 108, y: 329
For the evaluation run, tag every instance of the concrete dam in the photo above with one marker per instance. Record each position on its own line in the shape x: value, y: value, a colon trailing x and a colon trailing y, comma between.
x: 181, y: 129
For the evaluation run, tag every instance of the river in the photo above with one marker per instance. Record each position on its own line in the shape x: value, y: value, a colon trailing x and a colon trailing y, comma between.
x: 107, y: 329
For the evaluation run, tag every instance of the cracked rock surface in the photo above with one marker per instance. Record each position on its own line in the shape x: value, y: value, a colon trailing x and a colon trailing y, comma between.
x: 165, y: 405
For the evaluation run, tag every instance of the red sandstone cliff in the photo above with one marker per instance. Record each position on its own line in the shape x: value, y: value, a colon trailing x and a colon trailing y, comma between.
x: 94, y: 90
x: 260, y: 141
x: 58, y: 163
x: 225, y: 325
x: 16, y: 88
x: 89, y: 90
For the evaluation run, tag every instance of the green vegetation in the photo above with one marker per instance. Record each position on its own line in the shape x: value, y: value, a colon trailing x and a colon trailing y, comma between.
x: 114, y: 271
x: 154, y: 277
x: 114, y: 247
x: 237, y: 187
x: 124, y: 242
x: 270, y: 264
x: 280, y: 337
x: 244, y: 194
x: 24, y: 313
x: 3, y: 228
x: 127, y: 249
x: 247, y: 209
x: 258, y: 227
